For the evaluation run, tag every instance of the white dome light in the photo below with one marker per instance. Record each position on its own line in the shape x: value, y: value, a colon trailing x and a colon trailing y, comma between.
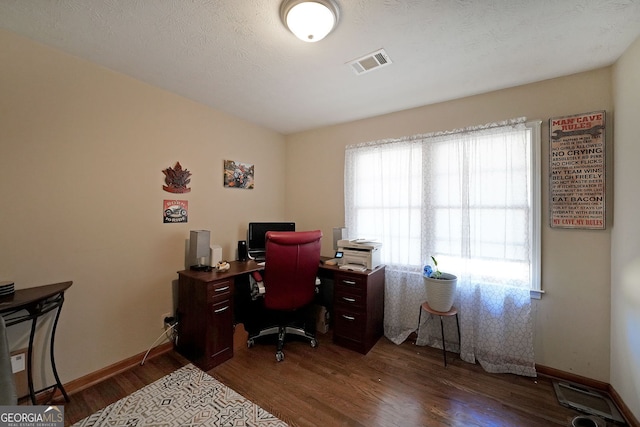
x: 310, y: 21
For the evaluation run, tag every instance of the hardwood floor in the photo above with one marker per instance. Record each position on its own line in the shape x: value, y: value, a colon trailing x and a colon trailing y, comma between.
x: 392, y: 385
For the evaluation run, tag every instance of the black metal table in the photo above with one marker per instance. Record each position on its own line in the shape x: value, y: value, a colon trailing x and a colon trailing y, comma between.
x: 36, y: 301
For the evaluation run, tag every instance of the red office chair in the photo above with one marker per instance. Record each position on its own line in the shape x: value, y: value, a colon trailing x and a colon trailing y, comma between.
x: 289, y: 278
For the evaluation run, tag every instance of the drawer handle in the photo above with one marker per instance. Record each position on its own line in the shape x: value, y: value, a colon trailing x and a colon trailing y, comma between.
x: 348, y: 317
x: 220, y: 310
x: 349, y: 299
x: 222, y: 289
x: 349, y: 282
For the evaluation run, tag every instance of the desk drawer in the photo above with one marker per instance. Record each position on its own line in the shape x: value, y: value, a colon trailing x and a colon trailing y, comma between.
x: 353, y: 283
x: 219, y: 291
x: 349, y: 299
x: 349, y: 324
x: 219, y: 334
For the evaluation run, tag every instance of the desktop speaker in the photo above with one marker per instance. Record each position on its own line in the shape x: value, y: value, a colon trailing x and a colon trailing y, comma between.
x: 242, y: 250
x: 339, y: 233
x: 215, y: 255
x: 199, y: 247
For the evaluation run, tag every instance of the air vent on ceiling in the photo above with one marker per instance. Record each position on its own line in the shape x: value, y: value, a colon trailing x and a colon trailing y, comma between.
x: 370, y: 62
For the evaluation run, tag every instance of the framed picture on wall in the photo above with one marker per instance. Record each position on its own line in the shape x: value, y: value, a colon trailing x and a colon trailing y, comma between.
x: 238, y: 174
x: 577, y: 171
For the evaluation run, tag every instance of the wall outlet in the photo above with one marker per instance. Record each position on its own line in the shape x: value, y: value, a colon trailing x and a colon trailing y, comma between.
x: 18, y: 362
x: 164, y: 324
x: 18, y: 366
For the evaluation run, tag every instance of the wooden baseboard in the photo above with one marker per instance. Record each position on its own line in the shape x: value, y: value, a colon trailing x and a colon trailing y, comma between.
x: 624, y: 409
x: 598, y: 385
x: 567, y: 376
x: 101, y: 375
x: 595, y: 384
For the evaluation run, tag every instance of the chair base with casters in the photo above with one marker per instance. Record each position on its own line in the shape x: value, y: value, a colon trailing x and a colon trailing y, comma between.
x: 296, y: 324
x: 282, y: 331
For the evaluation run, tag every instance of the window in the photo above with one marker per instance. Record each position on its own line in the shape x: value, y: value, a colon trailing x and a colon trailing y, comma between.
x: 470, y: 198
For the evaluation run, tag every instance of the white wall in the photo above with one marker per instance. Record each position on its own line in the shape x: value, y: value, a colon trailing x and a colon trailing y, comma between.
x: 82, y: 155
x: 625, y: 239
x: 572, y: 319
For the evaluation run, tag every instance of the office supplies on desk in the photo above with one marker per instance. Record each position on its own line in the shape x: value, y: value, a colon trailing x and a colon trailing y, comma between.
x: 353, y: 267
x: 223, y: 266
x: 336, y: 259
x: 360, y: 252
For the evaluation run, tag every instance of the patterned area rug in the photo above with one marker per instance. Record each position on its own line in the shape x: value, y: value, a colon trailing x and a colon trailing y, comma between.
x: 186, y: 397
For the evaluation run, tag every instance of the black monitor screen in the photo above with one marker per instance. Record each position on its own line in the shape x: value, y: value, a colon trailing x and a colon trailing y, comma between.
x: 257, y: 231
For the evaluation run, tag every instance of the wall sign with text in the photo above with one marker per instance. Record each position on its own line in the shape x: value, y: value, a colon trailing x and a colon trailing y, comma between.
x: 577, y: 171
x: 175, y: 211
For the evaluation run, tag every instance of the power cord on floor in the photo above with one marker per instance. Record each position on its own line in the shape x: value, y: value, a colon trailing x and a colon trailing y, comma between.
x: 174, y: 338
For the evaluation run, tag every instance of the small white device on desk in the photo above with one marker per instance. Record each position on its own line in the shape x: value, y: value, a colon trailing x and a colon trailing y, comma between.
x: 335, y: 260
x: 353, y: 267
x: 359, y: 254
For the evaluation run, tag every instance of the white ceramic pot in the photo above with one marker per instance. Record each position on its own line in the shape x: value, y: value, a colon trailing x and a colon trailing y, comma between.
x: 441, y: 292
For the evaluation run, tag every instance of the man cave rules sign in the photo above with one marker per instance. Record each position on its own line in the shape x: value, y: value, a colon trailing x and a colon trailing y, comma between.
x: 577, y: 171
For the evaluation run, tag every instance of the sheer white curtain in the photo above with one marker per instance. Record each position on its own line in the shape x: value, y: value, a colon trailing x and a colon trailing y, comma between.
x: 464, y: 197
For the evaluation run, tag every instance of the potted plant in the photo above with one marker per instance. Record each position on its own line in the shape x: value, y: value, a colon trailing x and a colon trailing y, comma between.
x: 440, y: 287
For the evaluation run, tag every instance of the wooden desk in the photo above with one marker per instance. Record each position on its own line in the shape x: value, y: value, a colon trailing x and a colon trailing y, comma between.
x: 206, y: 310
x: 205, y: 313
x: 36, y: 301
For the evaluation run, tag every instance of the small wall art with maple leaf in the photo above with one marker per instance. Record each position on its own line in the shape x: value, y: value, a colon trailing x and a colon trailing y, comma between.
x: 176, y: 179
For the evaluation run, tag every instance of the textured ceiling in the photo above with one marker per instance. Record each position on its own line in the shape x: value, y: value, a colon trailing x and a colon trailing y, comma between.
x: 236, y: 56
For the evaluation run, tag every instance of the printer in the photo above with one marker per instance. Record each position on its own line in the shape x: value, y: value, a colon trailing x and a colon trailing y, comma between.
x: 359, y: 254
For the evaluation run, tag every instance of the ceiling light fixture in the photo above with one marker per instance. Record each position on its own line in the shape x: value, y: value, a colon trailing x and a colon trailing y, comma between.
x: 310, y: 21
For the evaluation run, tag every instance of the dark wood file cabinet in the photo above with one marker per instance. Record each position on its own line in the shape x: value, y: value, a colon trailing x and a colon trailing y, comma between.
x: 205, y: 318
x: 358, y: 303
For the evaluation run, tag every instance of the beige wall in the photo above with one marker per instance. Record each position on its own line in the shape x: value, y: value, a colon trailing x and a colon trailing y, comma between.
x: 82, y: 154
x: 625, y: 239
x: 572, y: 319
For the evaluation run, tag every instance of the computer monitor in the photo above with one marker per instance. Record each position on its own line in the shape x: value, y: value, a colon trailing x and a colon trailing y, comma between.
x: 256, y: 233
